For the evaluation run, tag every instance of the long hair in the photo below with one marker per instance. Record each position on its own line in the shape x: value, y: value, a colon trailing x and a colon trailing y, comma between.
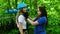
x: 43, y: 13
x: 21, y: 12
x: 17, y: 15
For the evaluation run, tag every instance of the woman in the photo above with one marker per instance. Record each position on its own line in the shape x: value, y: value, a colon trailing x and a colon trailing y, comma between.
x: 21, y: 18
x: 40, y: 21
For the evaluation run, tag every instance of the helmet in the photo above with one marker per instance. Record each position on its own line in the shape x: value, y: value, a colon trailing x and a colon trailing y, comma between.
x: 21, y: 5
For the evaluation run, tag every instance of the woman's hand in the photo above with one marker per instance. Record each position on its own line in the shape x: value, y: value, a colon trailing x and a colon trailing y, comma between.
x: 27, y: 18
x: 31, y: 18
x: 32, y: 22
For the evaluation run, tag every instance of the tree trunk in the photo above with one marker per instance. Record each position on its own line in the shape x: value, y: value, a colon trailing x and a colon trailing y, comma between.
x: 9, y: 6
x: 16, y: 3
x: 30, y: 4
x: 35, y: 4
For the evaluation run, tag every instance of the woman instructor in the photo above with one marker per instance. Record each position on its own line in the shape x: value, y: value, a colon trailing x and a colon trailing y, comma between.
x: 40, y: 22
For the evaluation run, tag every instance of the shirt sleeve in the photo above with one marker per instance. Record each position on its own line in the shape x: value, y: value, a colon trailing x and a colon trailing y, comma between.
x: 20, y: 19
x: 41, y: 20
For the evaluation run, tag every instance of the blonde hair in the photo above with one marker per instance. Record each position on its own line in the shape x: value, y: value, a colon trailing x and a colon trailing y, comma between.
x: 18, y: 13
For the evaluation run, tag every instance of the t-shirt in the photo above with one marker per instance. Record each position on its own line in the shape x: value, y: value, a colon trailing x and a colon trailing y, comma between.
x: 40, y: 28
x: 21, y: 19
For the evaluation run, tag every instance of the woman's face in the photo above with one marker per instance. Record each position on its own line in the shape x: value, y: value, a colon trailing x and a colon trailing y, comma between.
x: 39, y: 12
x: 24, y: 9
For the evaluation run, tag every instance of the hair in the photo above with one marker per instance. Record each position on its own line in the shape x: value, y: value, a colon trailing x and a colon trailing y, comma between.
x: 21, y: 12
x: 43, y: 13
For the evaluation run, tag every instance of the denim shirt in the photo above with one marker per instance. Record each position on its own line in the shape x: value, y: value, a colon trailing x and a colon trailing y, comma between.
x: 41, y: 25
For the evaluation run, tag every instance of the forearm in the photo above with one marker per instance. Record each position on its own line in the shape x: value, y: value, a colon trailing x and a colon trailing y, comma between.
x: 32, y: 18
x: 21, y: 29
x: 30, y: 21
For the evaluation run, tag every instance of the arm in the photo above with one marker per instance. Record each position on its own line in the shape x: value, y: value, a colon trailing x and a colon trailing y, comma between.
x: 40, y: 21
x: 20, y: 28
x: 33, y: 23
x: 20, y: 22
x: 32, y: 18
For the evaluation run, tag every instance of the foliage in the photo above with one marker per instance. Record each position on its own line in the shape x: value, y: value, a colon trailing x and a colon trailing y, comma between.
x: 52, y: 8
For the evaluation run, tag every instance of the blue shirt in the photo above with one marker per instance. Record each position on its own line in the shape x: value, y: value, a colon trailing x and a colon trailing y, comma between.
x: 40, y: 28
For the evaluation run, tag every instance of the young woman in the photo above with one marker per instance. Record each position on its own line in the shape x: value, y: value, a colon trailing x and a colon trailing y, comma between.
x: 21, y: 18
x: 40, y: 21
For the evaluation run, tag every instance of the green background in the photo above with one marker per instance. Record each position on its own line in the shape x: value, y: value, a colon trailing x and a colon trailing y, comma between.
x: 52, y: 8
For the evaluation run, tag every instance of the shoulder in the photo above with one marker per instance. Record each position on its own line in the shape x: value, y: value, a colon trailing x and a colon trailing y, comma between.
x: 43, y: 18
x: 21, y: 16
